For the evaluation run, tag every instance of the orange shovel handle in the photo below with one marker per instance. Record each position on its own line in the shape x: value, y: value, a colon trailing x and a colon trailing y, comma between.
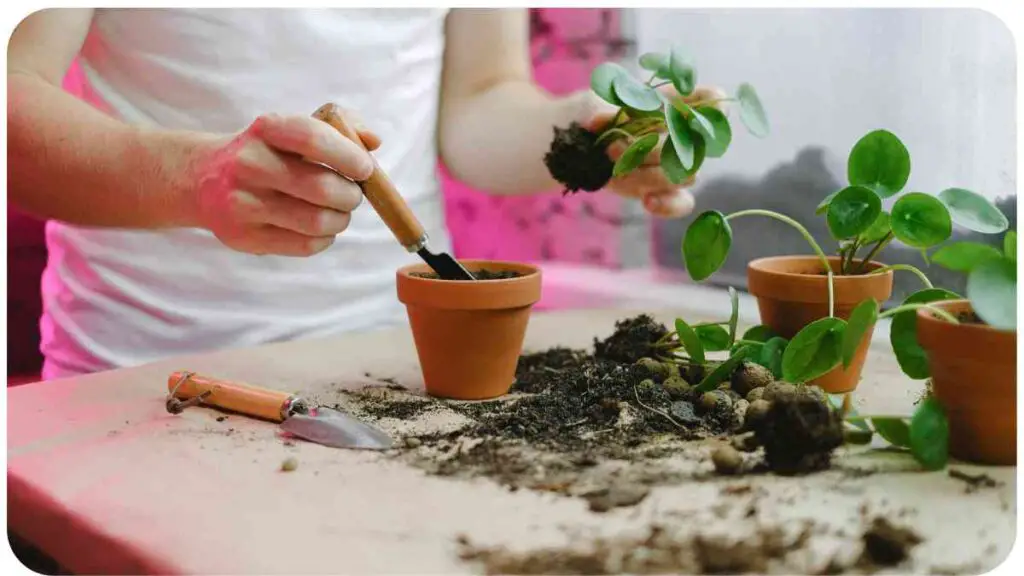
x: 251, y: 401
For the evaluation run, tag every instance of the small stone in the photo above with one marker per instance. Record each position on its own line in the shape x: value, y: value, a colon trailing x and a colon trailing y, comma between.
x: 677, y: 387
x: 755, y: 394
x: 750, y: 376
x: 739, y: 408
x: 413, y: 442
x: 683, y: 412
x: 779, y: 390
x: 653, y: 366
x: 756, y: 413
x: 709, y: 401
x: 646, y: 384
x: 727, y: 460
x: 746, y: 442
x: 289, y: 464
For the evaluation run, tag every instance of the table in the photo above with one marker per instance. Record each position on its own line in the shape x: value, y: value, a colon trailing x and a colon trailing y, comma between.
x: 104, y: 480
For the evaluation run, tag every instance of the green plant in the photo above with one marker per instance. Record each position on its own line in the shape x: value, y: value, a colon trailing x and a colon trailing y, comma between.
x: 925, y: 434
x: 697, y: 129
x: 991, y: 278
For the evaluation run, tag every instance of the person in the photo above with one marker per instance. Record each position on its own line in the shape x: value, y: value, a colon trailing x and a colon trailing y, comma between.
x: 183, y: 187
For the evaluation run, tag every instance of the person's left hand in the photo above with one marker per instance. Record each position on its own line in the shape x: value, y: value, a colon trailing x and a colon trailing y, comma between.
x: 648, y: 183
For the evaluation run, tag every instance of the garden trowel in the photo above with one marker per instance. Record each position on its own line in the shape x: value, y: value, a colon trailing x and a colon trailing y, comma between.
x: 389, y: 204
x: 316, y: 424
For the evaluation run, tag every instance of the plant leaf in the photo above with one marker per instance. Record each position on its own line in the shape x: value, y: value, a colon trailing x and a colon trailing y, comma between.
x: 602, y: 78
x: 635, y: 94
x: 878, y: 229
x: 699, y: 123
x: 670, y: 164
x: 880, y: 162
x: 657, y: 63
x: 1010, y: 245
x: 896, y: 431
x: 723, y: 131
x: 964, y: 256
x: 853, y: 210
x: 706, y: 244
x: 734, y: 316
x: 862, y: 319
x: 714, y: 338
x: 682, y: 139
x: 929, y: 435
x: 759, y: 333
x: 691, y: 342
x: 823, y: 205
x: 724, y: 370
x: 635, y: 155
x: 992, y: 290
x: 752, y: 111
x: 920, y: 220
x: 903, y: 333
x: 814, y: 351
x: 682, y: 72
x: 770, y: 355
x: 973, y: 211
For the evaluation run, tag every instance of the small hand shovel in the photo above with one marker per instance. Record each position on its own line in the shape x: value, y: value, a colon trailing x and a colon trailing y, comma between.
x: 389, y: 204
x: 321, y: 425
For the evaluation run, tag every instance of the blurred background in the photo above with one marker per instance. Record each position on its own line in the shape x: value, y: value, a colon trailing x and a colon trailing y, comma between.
x: 943, y: 80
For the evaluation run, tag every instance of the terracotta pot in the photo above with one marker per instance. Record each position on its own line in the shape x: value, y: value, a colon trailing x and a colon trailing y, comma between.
x: 792, y: 292
x: 974, y: 377
x: 469, y: 334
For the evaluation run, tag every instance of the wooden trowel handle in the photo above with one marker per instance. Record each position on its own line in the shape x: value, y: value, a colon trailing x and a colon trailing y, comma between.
x: 379, y: 189
x: 249, y: 400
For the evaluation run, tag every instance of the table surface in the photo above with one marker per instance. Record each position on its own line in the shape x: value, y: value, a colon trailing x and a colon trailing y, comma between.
x: 101, y: 477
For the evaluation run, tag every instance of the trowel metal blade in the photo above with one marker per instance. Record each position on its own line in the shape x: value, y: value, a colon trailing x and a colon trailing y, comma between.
x: 336, y: 429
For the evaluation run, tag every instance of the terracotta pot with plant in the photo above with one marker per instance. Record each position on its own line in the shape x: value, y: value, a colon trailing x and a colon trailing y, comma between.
x: 811, y: 301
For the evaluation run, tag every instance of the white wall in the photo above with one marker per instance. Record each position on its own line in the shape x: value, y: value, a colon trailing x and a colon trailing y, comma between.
x: 943, y: 80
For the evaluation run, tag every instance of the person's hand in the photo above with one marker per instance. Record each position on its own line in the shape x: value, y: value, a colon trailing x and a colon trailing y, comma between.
x: 286, y: 185
x: 648, y: 183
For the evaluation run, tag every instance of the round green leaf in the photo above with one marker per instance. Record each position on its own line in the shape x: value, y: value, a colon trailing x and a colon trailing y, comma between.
x: 635, y: 94
x: 691, y: 342
x: 770, y: 355
x: 1010, y: 245
x: 723, y: 131
x: 929, y: 435
x: 903, y: 333
x: 683, y: 75
x: 992, y: 290
x: 657, y: 63
x: 973, y: 211
x: 878, y: 229
x: 862, y: 319
x: 602, y: 78
x: 714, y: 338
x: 896, y: 431
x: 706, y: 244
x: 699, y: 123
x: 853, y: 211
x: 759, y: 333
x: 734, y: 315
x: 670, y: 164
x: 964, y: 256
x: 814, y: 351
x: 920, y: 220
x: 879, y: 161
x: 682, y: 139
x: 752, y: 111
x: 634, y: 156
x: 823, y: 205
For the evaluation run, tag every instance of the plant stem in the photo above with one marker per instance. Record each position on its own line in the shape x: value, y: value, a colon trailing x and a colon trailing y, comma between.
x: 851, y: 253
x: 906, y: 268
x: 906, y: 307
x: 881, y: 244
x: 803, y: 231
x: 831, y: 294
x: 710, y: 102
x: 612, y: 131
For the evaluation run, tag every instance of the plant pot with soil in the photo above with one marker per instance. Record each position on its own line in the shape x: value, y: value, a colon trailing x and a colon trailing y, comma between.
x: 469, y: 334
x: 811, y: 301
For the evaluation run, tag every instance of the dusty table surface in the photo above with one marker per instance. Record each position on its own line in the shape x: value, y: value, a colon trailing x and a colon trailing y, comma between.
x: 102, y: 478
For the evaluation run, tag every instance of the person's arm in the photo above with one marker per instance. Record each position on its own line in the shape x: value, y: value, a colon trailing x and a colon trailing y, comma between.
x: 69, y: 161
x: 496, y: 124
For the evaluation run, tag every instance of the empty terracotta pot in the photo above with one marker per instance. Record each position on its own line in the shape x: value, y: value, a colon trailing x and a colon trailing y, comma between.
x: 469, y: 334
x: 974, y: 377
x: 792, y: 292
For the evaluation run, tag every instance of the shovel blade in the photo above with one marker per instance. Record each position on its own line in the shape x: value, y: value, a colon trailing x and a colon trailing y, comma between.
x: 336, y: 429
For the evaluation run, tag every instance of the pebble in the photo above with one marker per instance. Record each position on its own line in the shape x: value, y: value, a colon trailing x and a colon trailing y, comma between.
x: 289, y: 464
x: 683, y: 412
x: 727, y: 460
x: 413, y: 442
x: 755, y: 394
x: 756, y: 412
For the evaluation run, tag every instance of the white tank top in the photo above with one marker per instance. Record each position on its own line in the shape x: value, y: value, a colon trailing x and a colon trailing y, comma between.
x: 115, y: 298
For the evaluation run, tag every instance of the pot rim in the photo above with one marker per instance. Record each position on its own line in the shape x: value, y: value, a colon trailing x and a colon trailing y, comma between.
x: 758, y: 264
x: 527, y: 271
x: 971, y: 340
x: 764, y: 281
x: 498, y: 294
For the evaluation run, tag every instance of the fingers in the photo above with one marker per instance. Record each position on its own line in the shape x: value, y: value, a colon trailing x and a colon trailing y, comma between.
x: 672, y: 205
x: 280, y: 210
x: 315, y: 141
x: 278, y: 241
x: 260, y: 168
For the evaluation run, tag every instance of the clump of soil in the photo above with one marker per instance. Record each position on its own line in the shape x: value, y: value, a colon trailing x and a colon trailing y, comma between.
x: 577, y: 160
x: 886, y: 544
x: 478, y: 274
x: 969, y: 317
x: 633, y: 339
x: 799, y: 432
x: 974, y: 482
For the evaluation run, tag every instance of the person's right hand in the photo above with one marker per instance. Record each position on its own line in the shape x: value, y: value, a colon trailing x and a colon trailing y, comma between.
x: 284, y: 186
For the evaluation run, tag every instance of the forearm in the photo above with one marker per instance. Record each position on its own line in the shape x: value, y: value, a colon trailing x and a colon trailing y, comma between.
x: 70, y: 162
x: 495, y: 140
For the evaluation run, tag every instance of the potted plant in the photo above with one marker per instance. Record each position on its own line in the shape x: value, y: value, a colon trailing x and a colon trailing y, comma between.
x: 810, y: 300
x: 696, y: 128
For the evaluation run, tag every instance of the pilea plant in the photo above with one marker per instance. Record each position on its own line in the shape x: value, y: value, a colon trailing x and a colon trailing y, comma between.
x: 991, y: 278
x: 697, y: 129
